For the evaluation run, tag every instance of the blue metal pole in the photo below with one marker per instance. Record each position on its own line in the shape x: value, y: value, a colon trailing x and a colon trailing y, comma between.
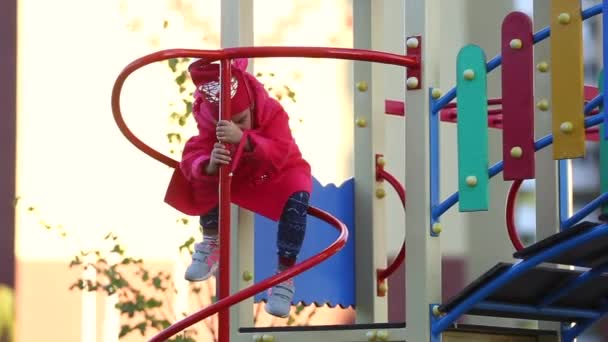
x: 605, y: 59
x: 571, y: 333
x: 586, y: 210
x: 435, y: 161
x: 529, y: 309
x: 571, y: 285
x: 541, y: 143
x: 516, y: 270
x: 496, y: 61
x: 563, y: 191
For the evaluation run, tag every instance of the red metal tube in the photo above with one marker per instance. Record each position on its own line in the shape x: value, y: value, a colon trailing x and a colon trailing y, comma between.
x: 213, y: 55
x: 385, y: 273
x: 510, y: 215
x: 224, y: 211
x: 265, y: 284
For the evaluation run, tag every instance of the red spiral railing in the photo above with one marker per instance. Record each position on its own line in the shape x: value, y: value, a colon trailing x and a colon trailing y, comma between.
x: 268, y: 283
x: 225, y: 56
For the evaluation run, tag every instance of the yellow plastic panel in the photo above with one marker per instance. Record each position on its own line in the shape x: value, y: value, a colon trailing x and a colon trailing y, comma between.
x: 567, y: 80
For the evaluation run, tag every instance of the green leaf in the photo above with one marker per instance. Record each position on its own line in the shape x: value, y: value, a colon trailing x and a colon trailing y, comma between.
x: 188, y: 106
x: 142, y: 328
x: 186, y: 245
x: 118, y: 249
x: 153, y: 303
x: 173, y: 64
x: 165, y: 24
x: 124, y: 330
x: 181, y: 79
x: 157, y: 283
x: 174, y: 137
x: 76, y: 261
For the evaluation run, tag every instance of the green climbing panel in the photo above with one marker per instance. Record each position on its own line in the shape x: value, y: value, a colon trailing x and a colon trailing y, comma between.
x: 471, y: 88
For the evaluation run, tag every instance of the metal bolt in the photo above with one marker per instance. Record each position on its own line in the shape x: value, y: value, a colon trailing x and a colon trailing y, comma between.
x: 471, y: 181
x: 517, y: 152
x: 362, y: 86
x: 437, y: 228
x: 542, y: 66
x: 469, y: 74
x: 436, y: 93
x: 412, y: 42
x: 543, y: 105
x: 412, y: 82
x: 564, y: 18
x: 515, y: 44
x: 361, y: 123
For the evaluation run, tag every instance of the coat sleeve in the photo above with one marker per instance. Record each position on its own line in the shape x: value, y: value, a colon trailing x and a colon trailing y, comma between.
x: 272, y: 143
x: 196, y: 155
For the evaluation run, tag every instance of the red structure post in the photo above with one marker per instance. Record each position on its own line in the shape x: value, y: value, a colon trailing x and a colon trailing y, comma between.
x: 224, y: 211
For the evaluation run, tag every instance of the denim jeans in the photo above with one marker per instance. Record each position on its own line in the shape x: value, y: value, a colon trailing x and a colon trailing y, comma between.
x: 292, y: 224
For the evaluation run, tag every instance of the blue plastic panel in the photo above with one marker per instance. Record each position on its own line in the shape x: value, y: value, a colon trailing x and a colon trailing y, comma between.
x: 333, y: 281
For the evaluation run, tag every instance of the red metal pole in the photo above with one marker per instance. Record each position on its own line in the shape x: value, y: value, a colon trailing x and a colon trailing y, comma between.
x: 510, y: 215
x: 383, y: 274
x: 224, y: 212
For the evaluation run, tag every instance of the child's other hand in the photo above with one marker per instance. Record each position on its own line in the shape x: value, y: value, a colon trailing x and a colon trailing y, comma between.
x: 220, y: 155
x: 228, y: 132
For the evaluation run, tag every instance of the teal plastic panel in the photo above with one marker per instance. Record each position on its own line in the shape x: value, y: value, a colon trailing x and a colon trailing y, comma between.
x: 471, y: 89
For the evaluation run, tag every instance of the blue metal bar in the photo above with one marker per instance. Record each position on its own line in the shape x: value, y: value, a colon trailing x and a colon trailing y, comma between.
x: 516, y: 270
x: 496, y: 61
x: 571, y: 285
x: 586, y: 210
x: 605, y: 57
x: 435, y: 161
x: 541, y: 143
x: 530, y: 309
x: 570, y: 334
x: 563, y: 190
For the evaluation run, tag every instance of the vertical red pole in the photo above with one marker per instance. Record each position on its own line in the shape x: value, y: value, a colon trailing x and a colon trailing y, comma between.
x: 224, y: 212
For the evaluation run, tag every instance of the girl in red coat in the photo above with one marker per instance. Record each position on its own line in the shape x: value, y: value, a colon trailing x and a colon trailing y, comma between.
x: 270, y: 177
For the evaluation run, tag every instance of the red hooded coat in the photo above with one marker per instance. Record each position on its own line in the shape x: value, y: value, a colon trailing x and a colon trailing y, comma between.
x: 263, y: 179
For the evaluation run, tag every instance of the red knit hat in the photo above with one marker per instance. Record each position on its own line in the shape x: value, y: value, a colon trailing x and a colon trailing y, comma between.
x: 206, y: 80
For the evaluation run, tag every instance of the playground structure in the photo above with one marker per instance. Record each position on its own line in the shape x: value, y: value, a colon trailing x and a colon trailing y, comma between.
x: 575, y: 298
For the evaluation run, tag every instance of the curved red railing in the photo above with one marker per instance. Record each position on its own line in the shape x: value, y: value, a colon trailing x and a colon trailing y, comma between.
x: 268, y: 283
x: 231, y: 53
x: 383, y: 274
x: 510, y: 215
x: 225, y: 56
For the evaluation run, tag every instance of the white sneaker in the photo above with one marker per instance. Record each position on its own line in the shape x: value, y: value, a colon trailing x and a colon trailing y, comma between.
x: 204, y: 260
x: 280, y: 298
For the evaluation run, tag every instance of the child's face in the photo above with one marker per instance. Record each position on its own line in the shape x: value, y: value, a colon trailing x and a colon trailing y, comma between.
x: 243, y: 119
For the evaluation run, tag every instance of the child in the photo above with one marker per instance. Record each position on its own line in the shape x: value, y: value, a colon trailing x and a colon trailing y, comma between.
x: 270, y: 177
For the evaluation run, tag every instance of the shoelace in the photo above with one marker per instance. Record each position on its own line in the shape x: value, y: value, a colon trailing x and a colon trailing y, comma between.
x: 208, y: 249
